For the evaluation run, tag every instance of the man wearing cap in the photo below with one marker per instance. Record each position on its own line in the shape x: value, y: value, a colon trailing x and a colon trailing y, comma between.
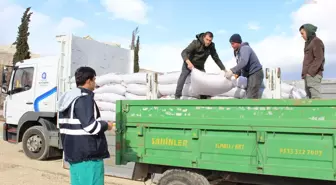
x: 248, y: 65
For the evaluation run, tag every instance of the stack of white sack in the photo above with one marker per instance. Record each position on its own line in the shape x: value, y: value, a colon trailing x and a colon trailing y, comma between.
x: 167, y: 86
x: 136, y: 86
x: 201, y: 83
x: 237, y: 92
x: 287, y: 92
x: 110, y: 89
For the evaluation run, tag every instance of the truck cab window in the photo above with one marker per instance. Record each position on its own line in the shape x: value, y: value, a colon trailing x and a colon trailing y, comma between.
x: 22, y: 80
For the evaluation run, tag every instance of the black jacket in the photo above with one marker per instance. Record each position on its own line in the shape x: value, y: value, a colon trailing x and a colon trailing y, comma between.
x: 197, y: 53
x: 82, y: 136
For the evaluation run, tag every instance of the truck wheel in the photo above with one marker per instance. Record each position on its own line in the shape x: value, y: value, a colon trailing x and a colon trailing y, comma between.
x: 35, y: 143
x: 182, y: 177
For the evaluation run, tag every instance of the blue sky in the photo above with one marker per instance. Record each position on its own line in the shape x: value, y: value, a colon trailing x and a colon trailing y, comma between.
x: 167, y: 26
x: 180, y: 18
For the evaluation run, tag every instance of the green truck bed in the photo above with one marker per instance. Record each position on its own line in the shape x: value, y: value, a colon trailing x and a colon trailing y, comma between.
x: 291, y: 138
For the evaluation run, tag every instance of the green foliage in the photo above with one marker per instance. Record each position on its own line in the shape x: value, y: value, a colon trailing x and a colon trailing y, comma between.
x: 22, y: 47
x: 136, y: 67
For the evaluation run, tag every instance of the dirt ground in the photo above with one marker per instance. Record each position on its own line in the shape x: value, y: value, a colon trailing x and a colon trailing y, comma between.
x: 17, y: 169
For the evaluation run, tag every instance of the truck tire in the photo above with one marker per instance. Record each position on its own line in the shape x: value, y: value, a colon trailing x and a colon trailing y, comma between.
x: 182, y: 177
x: 35, y: 143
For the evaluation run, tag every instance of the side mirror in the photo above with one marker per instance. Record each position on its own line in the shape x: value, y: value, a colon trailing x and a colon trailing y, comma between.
x: 26, y: 87
x: 4, y: 89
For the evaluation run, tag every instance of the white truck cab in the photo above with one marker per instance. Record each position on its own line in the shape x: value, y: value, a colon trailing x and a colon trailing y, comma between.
x: 35, y: 85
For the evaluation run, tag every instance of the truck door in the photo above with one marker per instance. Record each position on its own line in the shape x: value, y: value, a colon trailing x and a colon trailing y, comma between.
x: 21, y: 93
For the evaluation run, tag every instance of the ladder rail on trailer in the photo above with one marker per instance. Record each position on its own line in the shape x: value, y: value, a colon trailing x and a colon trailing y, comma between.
x: 133, y: 170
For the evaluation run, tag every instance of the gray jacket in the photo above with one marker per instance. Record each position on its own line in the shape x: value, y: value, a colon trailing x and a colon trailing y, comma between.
x: 247, y: 61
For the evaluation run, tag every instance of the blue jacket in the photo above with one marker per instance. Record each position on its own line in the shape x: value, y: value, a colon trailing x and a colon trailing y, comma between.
x: 247, y: 61
x: 82, y: 130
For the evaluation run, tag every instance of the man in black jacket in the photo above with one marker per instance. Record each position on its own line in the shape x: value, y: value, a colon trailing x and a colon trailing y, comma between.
x: 82, y: 131
x: 195, y: 56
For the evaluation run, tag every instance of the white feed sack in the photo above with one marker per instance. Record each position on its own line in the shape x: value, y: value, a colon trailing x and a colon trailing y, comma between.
x: 234, y: 93
x: 111, y: 88
x: 137, y: 89
x: 294, y: 94
x: 298, y: 93
x: 135, y: 78
x: 240, y: 82
x: 171, y: 78
x: 136, y: 86
x: 209, y: 84
x: 130, y: 96
x: 169, y: 89
x: 106, y: 106
x: 266, y: 94
x: 167, y: 86
x: 110, y: 78
x: 286, y: 88
x: 108, y: 97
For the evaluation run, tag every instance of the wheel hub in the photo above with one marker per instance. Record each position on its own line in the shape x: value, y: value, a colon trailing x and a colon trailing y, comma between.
x: 34, y: 143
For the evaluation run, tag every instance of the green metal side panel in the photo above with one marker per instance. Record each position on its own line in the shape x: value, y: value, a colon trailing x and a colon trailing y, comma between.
x: 293, y: 138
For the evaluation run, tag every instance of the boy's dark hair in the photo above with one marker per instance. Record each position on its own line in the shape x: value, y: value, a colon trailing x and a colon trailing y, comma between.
x: 209, y: 33
x: 83, y: 74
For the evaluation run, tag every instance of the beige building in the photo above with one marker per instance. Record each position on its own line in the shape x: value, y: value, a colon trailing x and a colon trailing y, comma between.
x: 7, y: 52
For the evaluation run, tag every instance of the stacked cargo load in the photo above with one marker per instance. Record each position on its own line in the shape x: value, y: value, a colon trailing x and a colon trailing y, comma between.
x: 218, y: 87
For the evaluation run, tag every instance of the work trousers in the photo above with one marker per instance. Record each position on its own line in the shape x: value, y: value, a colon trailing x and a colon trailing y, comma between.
x: 87, y: 173
x: 254, y: 83
x: 185, y: 72
x: 313, y: 86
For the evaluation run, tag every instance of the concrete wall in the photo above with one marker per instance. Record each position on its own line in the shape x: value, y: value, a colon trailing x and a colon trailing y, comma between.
x: 7, y: 53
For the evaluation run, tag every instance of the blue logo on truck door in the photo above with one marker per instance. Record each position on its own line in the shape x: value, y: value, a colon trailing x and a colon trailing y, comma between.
x: 44, y: 75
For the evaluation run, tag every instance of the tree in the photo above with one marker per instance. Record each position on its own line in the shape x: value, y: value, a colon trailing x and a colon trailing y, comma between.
x: 136, y: 48
x: 22, y: 47
x: 136, y: 67
x: 134, y: 34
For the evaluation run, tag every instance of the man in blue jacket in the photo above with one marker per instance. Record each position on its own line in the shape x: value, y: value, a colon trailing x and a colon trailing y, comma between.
x: 82, y: 131
x: 248, y: 65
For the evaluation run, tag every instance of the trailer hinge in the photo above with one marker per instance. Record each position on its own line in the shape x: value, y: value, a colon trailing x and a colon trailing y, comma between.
x: 195, y: 133
x: 194, y: 163
x: 125, y: 108
x: 261, y: 137
x: 119, y: 131
x: 140, y: 131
